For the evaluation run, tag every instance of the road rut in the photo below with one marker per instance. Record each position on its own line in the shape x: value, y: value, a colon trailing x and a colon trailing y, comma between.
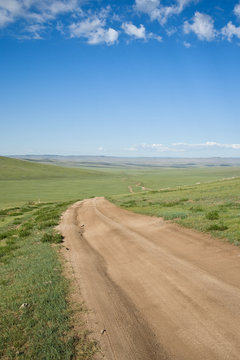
x: 159, y: 291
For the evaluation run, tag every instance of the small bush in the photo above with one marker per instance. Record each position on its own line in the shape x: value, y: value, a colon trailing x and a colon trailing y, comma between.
x: 217, y: 227
x: 28, y: 226
x: 129, y: 203
x: 24, y: 233
x: 47, y: 224
x: 176, y: 215
x: 16, y: 213
x: 53, y: 238
x: 170, y: 204
x: 17, y: 221
x: 212, y: 215
x: 7, y: 234
x: 196, y: 208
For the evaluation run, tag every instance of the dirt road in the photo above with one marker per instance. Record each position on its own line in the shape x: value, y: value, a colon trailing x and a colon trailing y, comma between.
x: 159, y: 291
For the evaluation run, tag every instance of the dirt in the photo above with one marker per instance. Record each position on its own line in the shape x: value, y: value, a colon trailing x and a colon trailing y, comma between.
x: 153, y: 289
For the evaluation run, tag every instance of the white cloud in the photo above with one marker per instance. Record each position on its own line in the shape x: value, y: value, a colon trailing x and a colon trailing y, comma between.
x: 157, y: 11
x: 35, y: 11
x: 187, y: 44
x: 132, y: 30
x: 139, y: 32
x: 9, y: 9
x: 208, y: 144
x: 231, y: 30
x: 182, y: 147
x: 93, y: 29
x: 155, y: 37
x: 202, y: 25
x: 147, y: 6
x: 35, y: 31
x: 154, y: 147
x: 237, y: 10
x: 38, y: 14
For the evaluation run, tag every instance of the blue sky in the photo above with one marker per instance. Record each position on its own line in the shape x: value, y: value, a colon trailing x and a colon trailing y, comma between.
x: 129, y: 78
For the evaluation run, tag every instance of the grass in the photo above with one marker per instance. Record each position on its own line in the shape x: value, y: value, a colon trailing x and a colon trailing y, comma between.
x: 31, y: 274
x: 211, y: 207
x: 32, y: 198
x: 23, y: 181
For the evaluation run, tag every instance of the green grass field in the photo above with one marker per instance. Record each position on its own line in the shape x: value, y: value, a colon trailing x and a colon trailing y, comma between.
x: 32, y: 198
x: 212, y: 207
x: 31, y: 274
x: 23, y: 181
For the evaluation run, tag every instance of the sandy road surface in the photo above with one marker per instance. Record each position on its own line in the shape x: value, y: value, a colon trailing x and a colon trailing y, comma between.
x: 160, y: 291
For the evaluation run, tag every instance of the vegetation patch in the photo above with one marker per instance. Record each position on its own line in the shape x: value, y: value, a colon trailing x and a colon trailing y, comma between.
x: 200, y: 207
x: 217, y: 227
x: 35, y: 320
x: 212, y: 215
x: 175, y: 215
x: 52, y: 238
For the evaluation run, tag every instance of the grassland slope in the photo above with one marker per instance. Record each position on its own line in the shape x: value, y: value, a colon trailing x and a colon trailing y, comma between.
x: 211, y: 207
x: 14, y: 169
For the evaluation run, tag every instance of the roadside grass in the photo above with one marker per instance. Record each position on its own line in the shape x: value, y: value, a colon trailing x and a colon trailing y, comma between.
x: 31, y: 274
x: 211, y: 207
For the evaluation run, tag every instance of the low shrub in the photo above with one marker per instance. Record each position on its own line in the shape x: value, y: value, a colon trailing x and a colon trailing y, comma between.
x: 217, y: 227
x: 170, y: 204
x: 27, y: 226
x: 24, y: 233
x: 130, y: 203
x: 212, y: 215
x: 17, y: 221
x: 46, y: 224
x: 176, y: 215
x: 196, y: 208
x: 7, y: 234
x: 53, y: 238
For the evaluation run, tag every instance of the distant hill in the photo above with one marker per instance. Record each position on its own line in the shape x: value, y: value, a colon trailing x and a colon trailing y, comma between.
x: 127, y: 162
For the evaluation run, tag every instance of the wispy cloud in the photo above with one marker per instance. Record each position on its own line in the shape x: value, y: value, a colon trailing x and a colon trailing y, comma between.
x: 186, y: 44
x: 34, y: 10
x: 159, y: 12
x: 182, y: 147
x: 94, y: 30
x: 231, y: 30
x: 202, y: 25
x: 139, y: 32
x: 237, y: 10
x: 98, y: 24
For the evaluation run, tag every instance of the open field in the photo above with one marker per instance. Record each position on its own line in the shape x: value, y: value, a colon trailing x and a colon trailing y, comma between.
x: 32, y: 198
x: 210, y: 207
x: 23, y: 181
x: 156, y: 291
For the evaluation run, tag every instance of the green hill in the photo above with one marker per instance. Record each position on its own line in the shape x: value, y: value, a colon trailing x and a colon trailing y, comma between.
x: 14, y: 169
x: 23, y: 181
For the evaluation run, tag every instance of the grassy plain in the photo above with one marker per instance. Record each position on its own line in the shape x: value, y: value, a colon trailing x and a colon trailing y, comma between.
x: 32, y: 198
x: 23, y: 181
x: 212, y: 207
